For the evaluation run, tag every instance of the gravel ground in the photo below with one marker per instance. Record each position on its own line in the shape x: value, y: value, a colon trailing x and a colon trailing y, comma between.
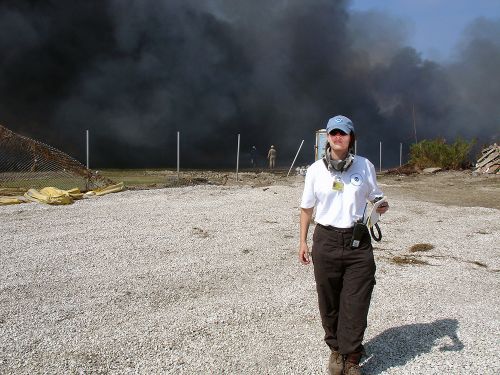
x: 205, y: 280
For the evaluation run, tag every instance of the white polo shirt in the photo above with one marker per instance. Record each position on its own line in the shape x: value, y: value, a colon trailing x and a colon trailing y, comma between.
x: 340, y: 209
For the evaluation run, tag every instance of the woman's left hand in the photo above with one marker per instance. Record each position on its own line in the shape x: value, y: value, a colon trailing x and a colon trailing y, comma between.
x: 382, y: 209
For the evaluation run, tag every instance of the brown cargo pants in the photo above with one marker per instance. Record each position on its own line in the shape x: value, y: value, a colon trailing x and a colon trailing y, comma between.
x: 344, y: 281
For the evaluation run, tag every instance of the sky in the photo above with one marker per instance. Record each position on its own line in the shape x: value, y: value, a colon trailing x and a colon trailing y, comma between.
x: 434, y: 26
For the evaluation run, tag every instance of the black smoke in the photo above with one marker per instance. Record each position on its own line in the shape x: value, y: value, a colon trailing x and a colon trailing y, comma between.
x: 134, y: 72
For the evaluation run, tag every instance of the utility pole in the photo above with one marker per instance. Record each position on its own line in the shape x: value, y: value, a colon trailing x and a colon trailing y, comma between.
x: 414, y: 125
x: 400, y: 154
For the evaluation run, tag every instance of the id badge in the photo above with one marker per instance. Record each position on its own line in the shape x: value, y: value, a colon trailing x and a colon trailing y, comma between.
x: 338, y: 185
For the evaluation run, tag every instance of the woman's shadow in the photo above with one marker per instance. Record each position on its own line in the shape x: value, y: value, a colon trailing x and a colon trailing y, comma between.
x: 399, y: 345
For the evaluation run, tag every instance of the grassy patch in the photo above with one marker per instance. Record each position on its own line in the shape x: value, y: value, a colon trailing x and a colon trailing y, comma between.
x: 162, y: 178
x: 421, y: 247
x: 25, y: 180
x: 136, y: 177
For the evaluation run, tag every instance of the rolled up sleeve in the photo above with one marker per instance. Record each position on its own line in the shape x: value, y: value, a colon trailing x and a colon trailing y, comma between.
x: 372, y: 180
x: 308, y: 197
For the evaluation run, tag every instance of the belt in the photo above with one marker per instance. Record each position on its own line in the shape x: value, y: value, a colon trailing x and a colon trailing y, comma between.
x: 340, y: 230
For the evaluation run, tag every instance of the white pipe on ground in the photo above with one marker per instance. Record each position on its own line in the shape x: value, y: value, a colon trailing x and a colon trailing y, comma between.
x: 293, y: 162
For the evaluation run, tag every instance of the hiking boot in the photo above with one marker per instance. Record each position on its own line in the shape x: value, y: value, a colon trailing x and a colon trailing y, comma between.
x: 336, y: 363
x: 351, y: 364
x: 352, y: 369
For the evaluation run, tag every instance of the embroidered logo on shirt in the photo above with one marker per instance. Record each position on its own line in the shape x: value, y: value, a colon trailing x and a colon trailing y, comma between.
x: 356, y: 179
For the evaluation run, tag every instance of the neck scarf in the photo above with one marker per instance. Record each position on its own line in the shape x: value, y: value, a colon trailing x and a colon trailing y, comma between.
x: 338, y: 165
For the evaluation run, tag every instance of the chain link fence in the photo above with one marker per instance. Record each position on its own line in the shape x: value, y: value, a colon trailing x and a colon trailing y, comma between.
x: 26, y: 163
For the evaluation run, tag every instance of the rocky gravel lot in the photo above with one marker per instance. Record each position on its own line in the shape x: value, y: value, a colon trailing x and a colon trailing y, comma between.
x: 205, y: 280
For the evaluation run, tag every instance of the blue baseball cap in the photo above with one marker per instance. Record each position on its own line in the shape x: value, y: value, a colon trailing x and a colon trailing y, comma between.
x: 340, y: 122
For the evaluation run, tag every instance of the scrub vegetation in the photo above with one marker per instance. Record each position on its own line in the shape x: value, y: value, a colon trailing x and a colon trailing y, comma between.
x: 404, y: 260
x: 438, y: 153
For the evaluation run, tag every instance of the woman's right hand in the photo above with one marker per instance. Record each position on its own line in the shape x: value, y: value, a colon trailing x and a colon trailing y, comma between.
x: 304, y: 254
x: 305, y: 221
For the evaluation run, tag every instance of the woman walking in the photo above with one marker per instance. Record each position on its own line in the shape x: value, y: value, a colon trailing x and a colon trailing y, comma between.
x: 339, y: 186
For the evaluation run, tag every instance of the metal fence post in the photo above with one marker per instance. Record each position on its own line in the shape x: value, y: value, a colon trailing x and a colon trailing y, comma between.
x: 87, y: 147
x: 178, y: 155
x: 238, y: 157
x: 380, y: 167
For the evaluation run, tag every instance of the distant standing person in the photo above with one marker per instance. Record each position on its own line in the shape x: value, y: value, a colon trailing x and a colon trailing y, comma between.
x: 253, y: 156
x: 271, y: 155
x: 339, y: 185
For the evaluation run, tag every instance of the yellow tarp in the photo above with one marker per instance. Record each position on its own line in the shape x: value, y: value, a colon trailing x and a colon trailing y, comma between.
x: 74, y: 193
x: 106, y: 190
x: 52, y: 195
x: 11, y: 200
